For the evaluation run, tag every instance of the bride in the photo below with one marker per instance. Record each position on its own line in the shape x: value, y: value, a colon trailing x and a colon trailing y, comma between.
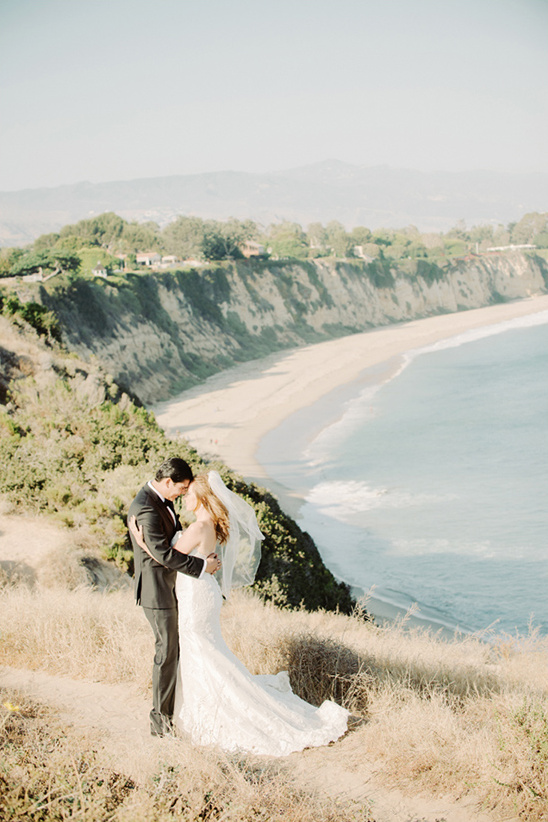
x: 257, y: 714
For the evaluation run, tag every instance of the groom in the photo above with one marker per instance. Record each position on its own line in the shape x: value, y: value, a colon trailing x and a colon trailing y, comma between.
x: 155, y: 579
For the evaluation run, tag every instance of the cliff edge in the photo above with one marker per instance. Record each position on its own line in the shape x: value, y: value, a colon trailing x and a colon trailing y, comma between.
x: 158, y: 333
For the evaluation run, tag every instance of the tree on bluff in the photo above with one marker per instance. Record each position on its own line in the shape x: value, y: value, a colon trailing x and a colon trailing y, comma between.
x: 8, y: 258
x: 104, y: 230
x: 223, y: 241
x: 48, y: 261
x: 338, y: 240
x: 192, y: 237
x: 184, y: 237
x: 288, y: 240
x: 532, y: 228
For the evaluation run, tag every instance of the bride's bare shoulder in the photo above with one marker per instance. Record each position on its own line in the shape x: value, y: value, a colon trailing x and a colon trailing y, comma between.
x: 200, y: 529
x: 195, y: 528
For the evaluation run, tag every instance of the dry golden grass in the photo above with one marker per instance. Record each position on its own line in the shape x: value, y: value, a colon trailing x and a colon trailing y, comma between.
x: 49, y: 771
x: 448, y: 716
x: 81, y: 634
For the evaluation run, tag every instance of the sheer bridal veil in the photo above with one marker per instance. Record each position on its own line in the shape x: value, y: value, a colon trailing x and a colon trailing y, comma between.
x: 241, y: 554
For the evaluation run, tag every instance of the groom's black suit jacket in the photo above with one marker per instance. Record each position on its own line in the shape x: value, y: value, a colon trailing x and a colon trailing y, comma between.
x: 155, y: 580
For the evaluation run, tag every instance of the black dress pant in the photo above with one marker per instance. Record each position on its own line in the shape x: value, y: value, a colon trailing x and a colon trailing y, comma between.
x: 164, y: 624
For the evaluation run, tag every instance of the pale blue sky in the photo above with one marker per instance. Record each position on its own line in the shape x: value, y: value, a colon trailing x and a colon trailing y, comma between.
x: 110, y: 89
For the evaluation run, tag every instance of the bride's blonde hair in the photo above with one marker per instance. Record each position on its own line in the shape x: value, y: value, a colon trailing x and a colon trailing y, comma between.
x: 213, y: 506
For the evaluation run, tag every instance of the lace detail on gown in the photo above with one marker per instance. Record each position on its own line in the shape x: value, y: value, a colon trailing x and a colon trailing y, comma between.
x: 219, y: 702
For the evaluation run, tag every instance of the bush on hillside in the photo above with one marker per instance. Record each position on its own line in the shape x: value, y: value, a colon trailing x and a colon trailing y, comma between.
x: 36, y: 315
x: 72, y: 447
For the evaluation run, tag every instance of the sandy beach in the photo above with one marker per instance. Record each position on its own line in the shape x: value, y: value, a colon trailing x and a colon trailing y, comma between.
x: 229, y: 414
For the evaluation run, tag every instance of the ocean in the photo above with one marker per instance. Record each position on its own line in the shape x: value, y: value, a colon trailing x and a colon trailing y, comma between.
x: 431, y: 486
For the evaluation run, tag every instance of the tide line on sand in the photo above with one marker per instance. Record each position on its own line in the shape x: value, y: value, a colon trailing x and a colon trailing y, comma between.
x: 228, y: 415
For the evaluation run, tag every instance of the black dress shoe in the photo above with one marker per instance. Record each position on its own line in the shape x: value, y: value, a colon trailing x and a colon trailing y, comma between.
x: 166, y: 729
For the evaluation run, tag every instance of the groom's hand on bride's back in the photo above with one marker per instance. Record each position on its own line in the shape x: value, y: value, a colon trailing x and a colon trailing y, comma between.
x: 213, y: 563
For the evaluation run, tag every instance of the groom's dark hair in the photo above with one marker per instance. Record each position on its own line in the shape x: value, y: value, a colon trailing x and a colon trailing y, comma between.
x: 176, y: 469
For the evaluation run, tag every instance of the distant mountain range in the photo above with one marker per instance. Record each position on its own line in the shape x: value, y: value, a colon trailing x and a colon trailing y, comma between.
x: 354, y: 195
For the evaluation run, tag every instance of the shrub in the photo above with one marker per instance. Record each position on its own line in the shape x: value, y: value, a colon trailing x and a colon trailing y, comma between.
x: 69, y: 450
x: 36, y: 315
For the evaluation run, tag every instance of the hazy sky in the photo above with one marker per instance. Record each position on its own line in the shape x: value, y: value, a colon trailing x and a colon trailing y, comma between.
x: 119, y: 89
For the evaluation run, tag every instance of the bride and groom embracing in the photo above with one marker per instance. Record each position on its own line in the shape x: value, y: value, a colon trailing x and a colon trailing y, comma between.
x: 199, y: 686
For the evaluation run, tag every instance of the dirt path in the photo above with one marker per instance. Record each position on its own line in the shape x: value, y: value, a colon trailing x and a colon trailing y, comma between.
x: 26, y: 541
x: 33, y: 549
x: 121, y: 716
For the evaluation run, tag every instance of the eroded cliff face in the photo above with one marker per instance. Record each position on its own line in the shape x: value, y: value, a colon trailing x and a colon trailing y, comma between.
x: 159, y: 333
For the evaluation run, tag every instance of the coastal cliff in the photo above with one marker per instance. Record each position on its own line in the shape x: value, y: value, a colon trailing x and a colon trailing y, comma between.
x: 157, y: 333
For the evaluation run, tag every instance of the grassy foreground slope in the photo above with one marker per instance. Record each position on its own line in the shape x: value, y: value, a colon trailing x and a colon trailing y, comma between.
x: 463, y: 720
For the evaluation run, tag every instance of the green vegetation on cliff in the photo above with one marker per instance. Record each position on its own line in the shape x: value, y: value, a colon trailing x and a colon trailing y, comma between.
x: 31, y: 313
x: 160, y: 332
x: 115, y: 243
x: 73, y: 446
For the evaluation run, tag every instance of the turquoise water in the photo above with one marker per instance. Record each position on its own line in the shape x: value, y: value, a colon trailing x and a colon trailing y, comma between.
x: 433, y: 487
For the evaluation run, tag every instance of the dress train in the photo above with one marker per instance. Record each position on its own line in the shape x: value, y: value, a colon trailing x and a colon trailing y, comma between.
x: 219, y: 702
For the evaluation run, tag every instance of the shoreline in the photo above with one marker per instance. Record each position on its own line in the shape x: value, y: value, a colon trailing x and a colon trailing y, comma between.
x: 230, y: 414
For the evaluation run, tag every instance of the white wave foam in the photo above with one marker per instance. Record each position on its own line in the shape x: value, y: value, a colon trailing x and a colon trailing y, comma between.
x: 529, y: 321
x: 422, y: 547
x: 341, y: 500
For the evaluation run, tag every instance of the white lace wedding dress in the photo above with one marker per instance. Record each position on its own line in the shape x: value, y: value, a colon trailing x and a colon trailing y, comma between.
x: 219, y: 702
